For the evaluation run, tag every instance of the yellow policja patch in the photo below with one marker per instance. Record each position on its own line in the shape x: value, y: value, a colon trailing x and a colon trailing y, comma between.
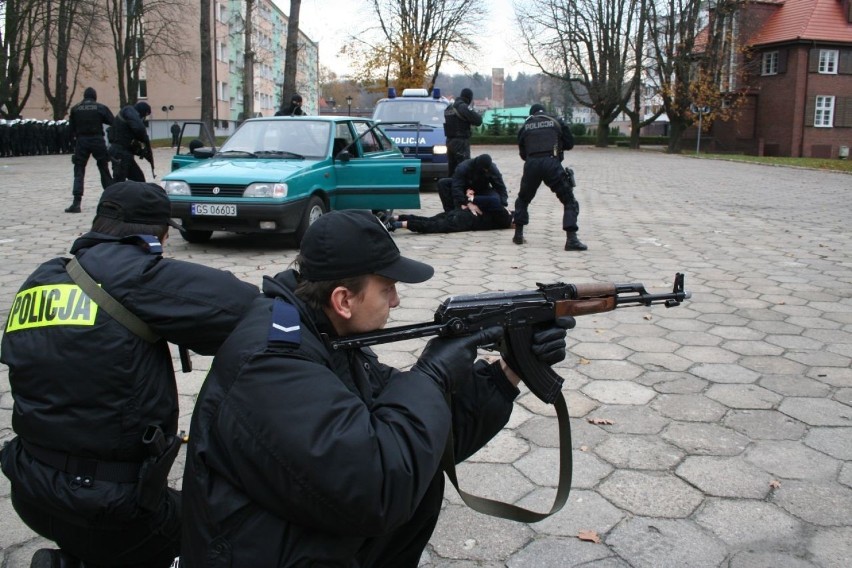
x: 53, y: 304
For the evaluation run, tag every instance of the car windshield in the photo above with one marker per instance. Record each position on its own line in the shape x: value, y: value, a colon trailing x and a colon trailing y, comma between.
x: 276, y: 138
x: 428, y: 113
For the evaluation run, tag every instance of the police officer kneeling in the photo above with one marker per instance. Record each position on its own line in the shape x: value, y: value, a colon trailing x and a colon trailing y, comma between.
x: 95, y: 404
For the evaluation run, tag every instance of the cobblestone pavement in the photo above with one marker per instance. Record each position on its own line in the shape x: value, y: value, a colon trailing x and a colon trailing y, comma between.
x: 731, y: 436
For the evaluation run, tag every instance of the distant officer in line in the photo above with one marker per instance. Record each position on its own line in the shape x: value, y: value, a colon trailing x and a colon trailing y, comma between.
x: 87, y: 121
x: 458, y: 118
x: 294, y: 108
x: 542, y: 141
x: 130, y: 139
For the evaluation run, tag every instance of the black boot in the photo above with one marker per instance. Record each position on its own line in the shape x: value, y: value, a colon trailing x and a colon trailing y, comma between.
x: 74, y: 207
x: 573, y: 243
x: 518, y: 239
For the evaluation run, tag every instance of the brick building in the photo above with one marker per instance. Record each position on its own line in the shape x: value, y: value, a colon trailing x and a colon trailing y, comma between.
x: 798, y: 81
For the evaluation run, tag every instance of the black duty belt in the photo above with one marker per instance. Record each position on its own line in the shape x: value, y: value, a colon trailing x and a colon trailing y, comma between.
x: 540, y: 155
x: 87, y: 470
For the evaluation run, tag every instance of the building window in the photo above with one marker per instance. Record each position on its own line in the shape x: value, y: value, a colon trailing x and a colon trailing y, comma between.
x: 143, y: 89
x: 221, y: 12
x: 828, y: 61
x: 221, y: 51
x: 222, y: 90
x: 824, y: 113
x: 769, y: 65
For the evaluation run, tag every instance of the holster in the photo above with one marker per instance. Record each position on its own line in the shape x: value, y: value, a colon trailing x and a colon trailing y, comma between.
x: 154, y: 474
x: 571, y: 181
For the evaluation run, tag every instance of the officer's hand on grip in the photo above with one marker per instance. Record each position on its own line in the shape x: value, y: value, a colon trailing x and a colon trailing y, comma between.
x: 548, y: 343
x: 448, y: 360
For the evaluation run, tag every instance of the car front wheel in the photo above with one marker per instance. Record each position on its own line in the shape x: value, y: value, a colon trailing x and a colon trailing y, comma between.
x: 196, y: 236
x: 315, y: 209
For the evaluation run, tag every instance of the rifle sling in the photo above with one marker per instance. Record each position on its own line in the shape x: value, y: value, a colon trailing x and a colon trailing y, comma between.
x: 112, y: 306
x: 514, y: 512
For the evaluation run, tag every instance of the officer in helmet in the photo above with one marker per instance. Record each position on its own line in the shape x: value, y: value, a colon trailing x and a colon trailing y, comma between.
x: 542, y: 140
x: 129, y: 139
x: 458, y: 119
x: 86, y: 121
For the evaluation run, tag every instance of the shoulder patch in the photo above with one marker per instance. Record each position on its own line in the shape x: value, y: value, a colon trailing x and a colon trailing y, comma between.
x: 149, y: 242
x: 286, y: 327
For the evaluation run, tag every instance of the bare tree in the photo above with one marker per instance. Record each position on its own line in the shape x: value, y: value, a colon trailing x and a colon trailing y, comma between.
x: 248, y: 63
x: 142, y: 31
x: 588, y: 44
x: 291, y: 54
x: 68, y: 24
x: 414, y: 38
x: 22, y: 21
x: 205, y: 31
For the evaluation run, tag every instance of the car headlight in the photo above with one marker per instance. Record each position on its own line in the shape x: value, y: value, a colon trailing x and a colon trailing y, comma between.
x: 439, y: 149
x: 265, y: 189
x: 176, y: 188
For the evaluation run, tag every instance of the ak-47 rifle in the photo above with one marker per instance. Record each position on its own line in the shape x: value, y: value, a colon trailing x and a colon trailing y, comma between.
x: 518, y: 313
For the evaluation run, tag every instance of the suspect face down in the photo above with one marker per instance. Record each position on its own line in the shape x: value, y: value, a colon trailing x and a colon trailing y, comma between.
x: 347, y: 244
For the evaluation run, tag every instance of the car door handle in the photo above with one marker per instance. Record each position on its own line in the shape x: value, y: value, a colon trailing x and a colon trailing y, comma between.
x: 409, y: 170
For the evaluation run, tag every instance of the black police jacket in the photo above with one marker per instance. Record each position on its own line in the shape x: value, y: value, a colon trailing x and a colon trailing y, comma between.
x: 85, y: 385
x: 129, y: 127
x: 458, y: 118
x: 305, y: 456
x: 467, y: 177
x: 88, y: 117
x: 543, y: 135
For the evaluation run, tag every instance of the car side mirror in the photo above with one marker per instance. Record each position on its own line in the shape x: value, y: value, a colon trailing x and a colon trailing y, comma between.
x: 203, y: 153
x: 344, y: 156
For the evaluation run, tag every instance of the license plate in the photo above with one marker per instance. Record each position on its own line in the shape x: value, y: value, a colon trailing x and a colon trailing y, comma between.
x: 214, y: 209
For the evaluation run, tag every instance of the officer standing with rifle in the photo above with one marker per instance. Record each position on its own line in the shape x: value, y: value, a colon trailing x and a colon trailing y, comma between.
x: 542, y: 141
x: 86, y: 121
x: 129, y: 138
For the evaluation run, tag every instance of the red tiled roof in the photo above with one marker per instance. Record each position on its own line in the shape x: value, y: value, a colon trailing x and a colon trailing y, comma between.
x: 820, y: 20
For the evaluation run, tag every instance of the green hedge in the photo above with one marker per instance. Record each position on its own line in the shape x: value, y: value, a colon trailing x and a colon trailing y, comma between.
x: 578, y: 140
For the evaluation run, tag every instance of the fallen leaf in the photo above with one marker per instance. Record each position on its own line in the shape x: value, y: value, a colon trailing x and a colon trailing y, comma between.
x: 584, y: 361
x: 584, y: 448
x: 774, y: 484
x: 589, y: 536
x: 605, y: 421
x: 647, y: 317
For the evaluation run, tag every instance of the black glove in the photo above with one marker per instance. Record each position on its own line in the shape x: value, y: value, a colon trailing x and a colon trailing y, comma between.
x: 449, y: 360
x: 548, y: 343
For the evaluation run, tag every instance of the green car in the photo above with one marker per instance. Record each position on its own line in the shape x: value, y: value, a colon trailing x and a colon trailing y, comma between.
x: 278, y: 175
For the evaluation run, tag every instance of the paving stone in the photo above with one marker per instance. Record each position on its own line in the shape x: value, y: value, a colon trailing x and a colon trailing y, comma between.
x: 666, y: 543
x: 743, y: 396
x: 836, y: 442
x: 832, y: 547
x: 765, y: 424
x: 698, y: 438
x: 689, y: 407
x: 464, y: 534
x: 819, y: 502
x: 768, y: 559
x: 628, y: 419
x: 619, y: 392
x: 701, y: 354
x: 610, y: 370
x: 750, y: 524
x: 651, y: 494
x: 600, y: 351
x: 725, y: 477
x: 584, y: 510
x: 794, y: 386
x: 680, y: 385
x: 660, y: 361
x: 845, y: 476
x: 14, y: 530
x: 588, y: 470
x: 772, y: 365
x: 725, y: 373
x: 558, y: 553
x: 844, y: 396
x: 638, y: 452
x: 817, y: 411
x: 791, y: 460
x: 506, y: 447
x: 832, y: 376
x: 579, y: 405
x: 737, y: 332
x: 493, y: 481
x: 541, y: 466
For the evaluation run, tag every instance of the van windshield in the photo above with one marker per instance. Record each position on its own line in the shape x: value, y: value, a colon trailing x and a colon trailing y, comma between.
x: 428, y: 113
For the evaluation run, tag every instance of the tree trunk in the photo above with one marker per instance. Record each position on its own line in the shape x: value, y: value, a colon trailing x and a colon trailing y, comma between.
x: 676, y: 130
x: 248, y: 65
x: 602, y: 140
x: 207, y: 100
x: 291, y: 57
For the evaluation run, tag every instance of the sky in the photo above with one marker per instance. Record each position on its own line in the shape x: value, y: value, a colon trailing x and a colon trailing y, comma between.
x: 332, y: 22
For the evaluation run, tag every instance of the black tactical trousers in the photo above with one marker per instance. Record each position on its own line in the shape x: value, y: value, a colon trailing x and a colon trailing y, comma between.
x: 90, y: 146
x: 124, y: 166
x: 458, y: 150
x: 549, y: 170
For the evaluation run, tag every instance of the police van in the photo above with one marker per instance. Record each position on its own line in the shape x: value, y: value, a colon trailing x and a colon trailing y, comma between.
x: 415, y: 122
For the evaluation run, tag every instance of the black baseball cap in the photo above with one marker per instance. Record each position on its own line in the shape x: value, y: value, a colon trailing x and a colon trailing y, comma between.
x: 347, y: 243
x: 136, y: 202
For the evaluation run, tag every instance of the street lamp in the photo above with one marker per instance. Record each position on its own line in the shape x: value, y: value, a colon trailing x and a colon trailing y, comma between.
x: 349, y: 104
x: 700, y: 111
